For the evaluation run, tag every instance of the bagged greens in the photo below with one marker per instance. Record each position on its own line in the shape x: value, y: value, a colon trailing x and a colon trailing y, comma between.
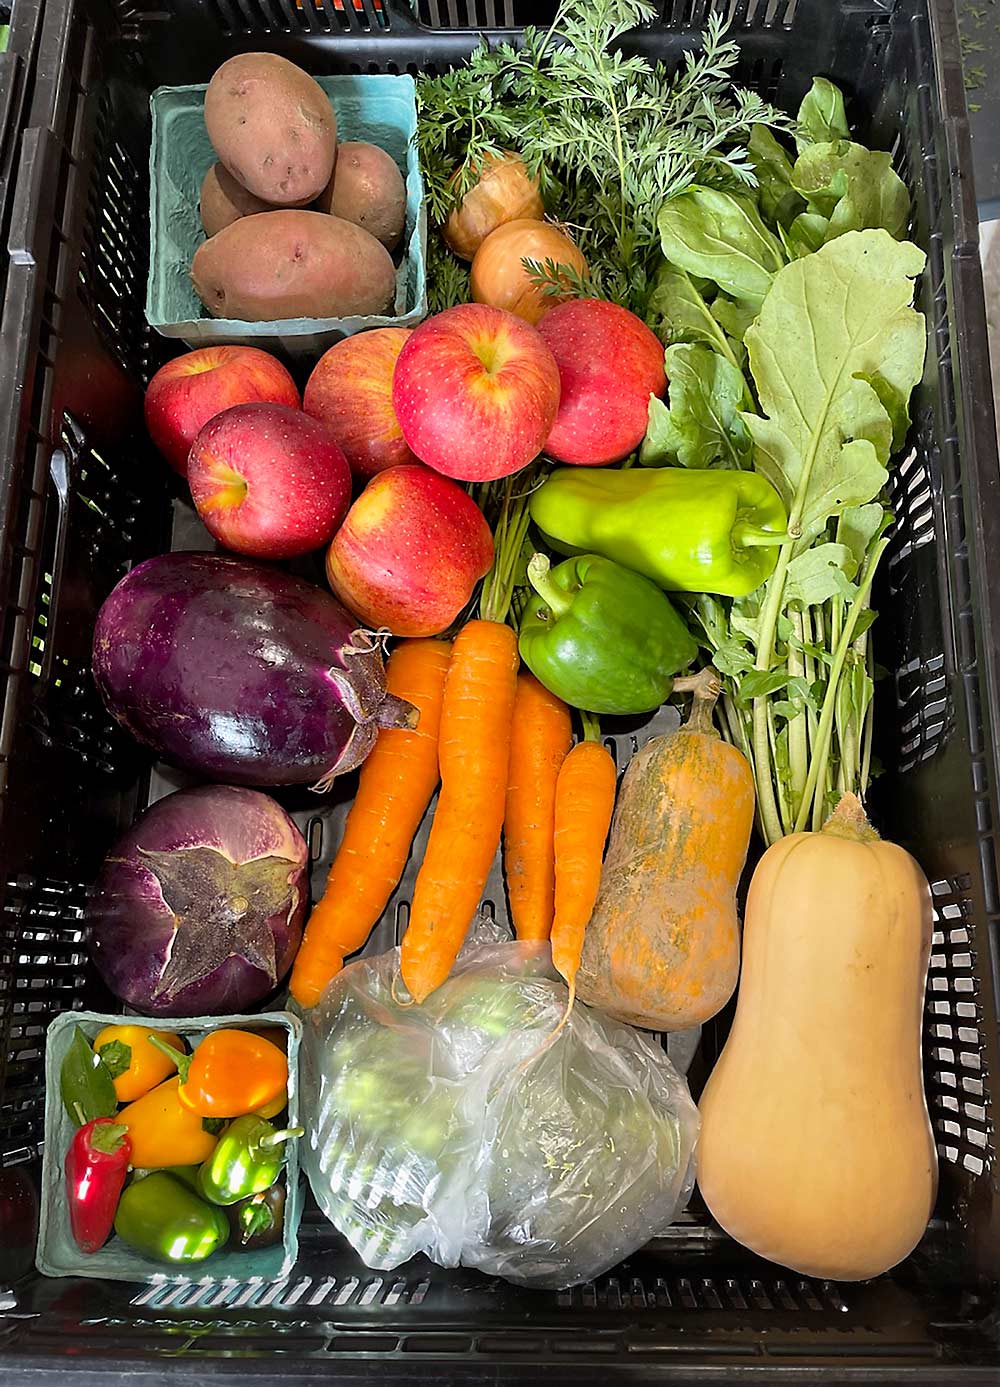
x: 434, y: 1133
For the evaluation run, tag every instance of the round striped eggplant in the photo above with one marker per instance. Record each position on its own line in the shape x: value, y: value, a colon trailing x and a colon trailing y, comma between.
x: 240, y: 672
x: 198, y: 909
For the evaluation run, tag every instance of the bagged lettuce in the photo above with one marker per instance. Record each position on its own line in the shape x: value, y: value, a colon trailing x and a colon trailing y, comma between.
x: 434, y: 1135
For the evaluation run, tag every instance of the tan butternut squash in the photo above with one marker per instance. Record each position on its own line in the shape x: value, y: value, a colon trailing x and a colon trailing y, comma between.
x: 816, y: 1150
x: 662, y: 949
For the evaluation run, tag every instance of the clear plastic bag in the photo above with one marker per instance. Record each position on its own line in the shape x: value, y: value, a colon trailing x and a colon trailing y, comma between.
x: 446, y: 1129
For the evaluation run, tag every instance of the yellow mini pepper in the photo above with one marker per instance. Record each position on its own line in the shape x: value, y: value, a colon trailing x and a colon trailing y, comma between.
x: 134, y: 1064
x: 164, y: 1132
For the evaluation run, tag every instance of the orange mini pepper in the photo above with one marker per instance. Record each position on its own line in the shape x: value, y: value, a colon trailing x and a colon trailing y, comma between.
x: 231, y: 1073
x: 134, y: 1064
x: 163, y: 1131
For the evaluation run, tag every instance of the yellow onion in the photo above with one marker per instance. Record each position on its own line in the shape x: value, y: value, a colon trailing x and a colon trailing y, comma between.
x: 499, y: 276
x: 504, y: 193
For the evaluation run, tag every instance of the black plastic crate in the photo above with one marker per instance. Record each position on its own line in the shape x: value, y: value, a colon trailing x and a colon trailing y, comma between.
x: 82, y: 497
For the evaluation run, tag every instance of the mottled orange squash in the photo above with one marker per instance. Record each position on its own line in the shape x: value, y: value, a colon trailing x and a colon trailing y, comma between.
x: 662, y: 949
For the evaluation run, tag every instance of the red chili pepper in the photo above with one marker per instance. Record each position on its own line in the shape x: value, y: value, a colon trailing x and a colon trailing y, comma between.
x: 96, y: 1165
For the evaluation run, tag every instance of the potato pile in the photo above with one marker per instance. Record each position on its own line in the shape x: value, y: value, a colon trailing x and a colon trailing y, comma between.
x: 297, y: 225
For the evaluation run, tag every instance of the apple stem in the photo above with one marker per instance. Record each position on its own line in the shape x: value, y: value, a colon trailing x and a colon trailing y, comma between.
x: 540, y: 578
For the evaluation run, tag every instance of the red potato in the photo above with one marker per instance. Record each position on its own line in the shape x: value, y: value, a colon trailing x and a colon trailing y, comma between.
x: 273, y: 127
x: 350, y: 389
x: 223, y: 200
x: 293, y: 264
x: 367, y: 188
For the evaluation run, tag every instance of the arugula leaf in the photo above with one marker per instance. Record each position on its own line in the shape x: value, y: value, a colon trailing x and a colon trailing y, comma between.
x: 895, y: 404
x: 856, y: 188
x: 824, y: 436
x: 684, y: 314
x: 778, y: 199
x: 702, y: 426
x: 821, y: 115
x: 858, y: 526
x: 721, y: 236
x: 806, y: 234
x: 734, y: 318
x: 819, y: 573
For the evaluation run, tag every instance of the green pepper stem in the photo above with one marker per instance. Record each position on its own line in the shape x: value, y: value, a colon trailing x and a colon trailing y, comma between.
x: 182, y: 1061
x: 276, y: 1138
x: 540, y: 578
x: 748, y: 536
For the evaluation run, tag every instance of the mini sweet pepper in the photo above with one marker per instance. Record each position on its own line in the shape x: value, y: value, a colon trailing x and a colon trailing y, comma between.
x: 135, y: 1065
x: 231, y: 1072
x: 688, y: 530
x: 601, y: 637
x: 96, y: 1165
x: 163, y: 1218
x: 164, y: 1132
x: 247, y: 1160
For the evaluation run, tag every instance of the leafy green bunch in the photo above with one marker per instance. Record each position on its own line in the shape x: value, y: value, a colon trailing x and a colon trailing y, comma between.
x: 794, y: 349
x: 610, y: 136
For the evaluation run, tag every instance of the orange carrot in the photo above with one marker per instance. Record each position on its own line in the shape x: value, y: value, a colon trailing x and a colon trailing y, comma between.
x: 541, y: 735
x: 585, y: 799
x: 396, y: 784
x: 474, y: 750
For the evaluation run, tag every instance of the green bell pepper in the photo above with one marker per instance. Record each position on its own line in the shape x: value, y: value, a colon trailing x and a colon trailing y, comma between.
x: 601, y: 637
x: 247, y: 1160
x: 688, y: 530
x: 164, y: 1219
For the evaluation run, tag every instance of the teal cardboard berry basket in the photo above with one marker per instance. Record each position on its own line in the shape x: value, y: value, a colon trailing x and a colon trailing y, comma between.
x: 58, y: 1255
x: 380, y: 108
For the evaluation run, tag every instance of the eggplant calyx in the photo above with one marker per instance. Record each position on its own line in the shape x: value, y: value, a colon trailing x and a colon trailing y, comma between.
x: 220, y: 910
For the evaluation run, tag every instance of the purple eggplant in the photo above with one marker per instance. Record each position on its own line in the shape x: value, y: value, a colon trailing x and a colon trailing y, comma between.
x: 240, y: 672
x: 198, y: 909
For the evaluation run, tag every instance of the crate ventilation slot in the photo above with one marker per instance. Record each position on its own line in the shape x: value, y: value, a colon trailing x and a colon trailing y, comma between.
x: 302, y: 1292
x: 709, y: 1294
x: 42, y: 961
x: 955, y: 1074
x: 674, y: 14
x: 112, y: 276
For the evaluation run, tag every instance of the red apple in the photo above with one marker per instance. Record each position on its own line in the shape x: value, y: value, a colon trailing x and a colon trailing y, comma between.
x: 475, y: 391
x: 269, y: 481
x: 350, y: 389
x: 191, y: 389
x: 609, y: 365
x: 410, y: 552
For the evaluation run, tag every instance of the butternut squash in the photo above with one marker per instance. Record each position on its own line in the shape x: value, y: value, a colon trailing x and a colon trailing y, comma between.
x: 816, y: 1149
x: 662, y: 949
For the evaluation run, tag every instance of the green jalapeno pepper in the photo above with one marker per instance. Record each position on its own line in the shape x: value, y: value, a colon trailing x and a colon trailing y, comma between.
x: 687, y: 530
x: 247, y: 1160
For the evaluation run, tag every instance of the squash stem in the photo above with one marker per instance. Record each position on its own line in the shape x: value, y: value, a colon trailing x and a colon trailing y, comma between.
x: 706, y: 687
x: 849, y: 820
